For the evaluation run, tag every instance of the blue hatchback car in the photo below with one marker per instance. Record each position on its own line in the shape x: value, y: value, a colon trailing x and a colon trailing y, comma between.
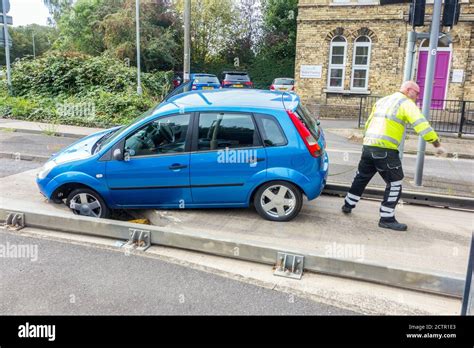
x: 200, y: 149
x: 205, y: 81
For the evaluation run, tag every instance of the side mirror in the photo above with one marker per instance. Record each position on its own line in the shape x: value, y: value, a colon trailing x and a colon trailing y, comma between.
x: 127, y: 154
x: 117, y: 155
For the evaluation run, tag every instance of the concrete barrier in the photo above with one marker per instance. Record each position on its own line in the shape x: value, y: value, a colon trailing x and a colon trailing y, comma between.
x: 438, y: 283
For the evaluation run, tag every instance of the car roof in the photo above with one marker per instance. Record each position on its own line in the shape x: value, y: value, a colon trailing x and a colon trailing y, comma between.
x: 235, y: 72
x: 203, y: 74
x: 230, y: 97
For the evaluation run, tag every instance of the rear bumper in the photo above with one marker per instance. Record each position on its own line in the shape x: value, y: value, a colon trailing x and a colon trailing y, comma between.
x: 315, y: 187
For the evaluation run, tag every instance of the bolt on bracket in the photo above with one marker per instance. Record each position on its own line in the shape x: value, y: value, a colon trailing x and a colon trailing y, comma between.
x: 14, y: 221
x: 289, y: 265
x: 139, y: 239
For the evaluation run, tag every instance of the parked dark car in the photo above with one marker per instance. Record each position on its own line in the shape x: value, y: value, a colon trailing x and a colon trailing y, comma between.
x: 236, y: 79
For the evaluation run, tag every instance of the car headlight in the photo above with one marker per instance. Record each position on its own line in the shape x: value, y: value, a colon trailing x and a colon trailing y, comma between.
x: 44, y: 170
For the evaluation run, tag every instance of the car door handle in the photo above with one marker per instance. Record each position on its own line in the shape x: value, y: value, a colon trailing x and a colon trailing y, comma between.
x: 261, y: 159
x: 177, y: 166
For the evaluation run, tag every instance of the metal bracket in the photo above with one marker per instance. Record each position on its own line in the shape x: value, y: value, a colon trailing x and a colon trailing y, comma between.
x: 289, y: 265
x: 14, y: 221
x: 139, y: 239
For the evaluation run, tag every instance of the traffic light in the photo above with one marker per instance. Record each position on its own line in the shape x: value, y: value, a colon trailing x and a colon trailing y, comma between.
x: 416, y: 15
x: 451, y: 11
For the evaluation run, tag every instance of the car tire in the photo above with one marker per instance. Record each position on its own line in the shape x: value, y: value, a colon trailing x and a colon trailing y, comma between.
x: 278, y: 201
x: 86, y: 202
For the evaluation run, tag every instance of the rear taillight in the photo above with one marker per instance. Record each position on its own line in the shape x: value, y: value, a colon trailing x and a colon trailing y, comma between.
x: 311, y: 143
x: 248, y: 83
x: 194, y: 87
x: 226, y: 83
x: 293, y: 88
x: 272, y: 88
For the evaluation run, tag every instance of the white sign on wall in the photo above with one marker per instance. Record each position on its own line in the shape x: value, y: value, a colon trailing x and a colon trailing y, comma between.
x: 458, y: 76
x: 311, y: 71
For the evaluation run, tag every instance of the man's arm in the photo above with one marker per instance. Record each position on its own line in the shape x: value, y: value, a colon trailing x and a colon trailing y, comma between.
x: 412, y: 114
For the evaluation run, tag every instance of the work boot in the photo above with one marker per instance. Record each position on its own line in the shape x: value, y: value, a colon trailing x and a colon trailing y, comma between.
x: 345, y: 209
x: 393, y: 225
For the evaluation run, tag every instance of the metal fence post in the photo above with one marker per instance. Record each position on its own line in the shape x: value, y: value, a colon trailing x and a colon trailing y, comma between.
x: 463, y: 118
x: 360, y: 111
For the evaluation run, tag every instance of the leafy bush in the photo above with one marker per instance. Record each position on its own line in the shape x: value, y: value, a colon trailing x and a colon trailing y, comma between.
x: 73, y: 88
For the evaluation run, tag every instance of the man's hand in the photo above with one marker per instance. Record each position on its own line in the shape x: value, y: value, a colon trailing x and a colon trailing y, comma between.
x: 441, y: 152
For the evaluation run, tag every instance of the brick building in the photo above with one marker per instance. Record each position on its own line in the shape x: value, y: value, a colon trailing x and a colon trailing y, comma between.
x: 347, y: 49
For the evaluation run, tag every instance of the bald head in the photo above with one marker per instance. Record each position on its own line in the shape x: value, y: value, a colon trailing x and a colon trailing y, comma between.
x: 410, y: 89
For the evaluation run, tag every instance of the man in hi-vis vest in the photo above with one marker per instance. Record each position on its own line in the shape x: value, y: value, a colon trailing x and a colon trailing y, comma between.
x: 383, y: 133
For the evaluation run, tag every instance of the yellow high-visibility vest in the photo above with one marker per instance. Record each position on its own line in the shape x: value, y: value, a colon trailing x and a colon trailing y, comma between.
x: 386, y: 124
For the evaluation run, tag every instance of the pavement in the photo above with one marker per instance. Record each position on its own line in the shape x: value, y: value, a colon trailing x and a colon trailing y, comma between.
x: 79, y: 293
x: 437, y: 240
x: 69, y: 279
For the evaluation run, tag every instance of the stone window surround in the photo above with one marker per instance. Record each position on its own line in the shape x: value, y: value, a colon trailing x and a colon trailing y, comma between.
x: 365, y: 67
x: 332, y: 66
x: 352, y: 35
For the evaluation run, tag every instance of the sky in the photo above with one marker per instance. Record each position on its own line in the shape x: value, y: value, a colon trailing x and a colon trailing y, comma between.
x: 28, y: 11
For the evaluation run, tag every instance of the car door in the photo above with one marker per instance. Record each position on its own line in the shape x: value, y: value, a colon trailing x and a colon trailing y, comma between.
x: 227, y: 158
x: 157, y: 172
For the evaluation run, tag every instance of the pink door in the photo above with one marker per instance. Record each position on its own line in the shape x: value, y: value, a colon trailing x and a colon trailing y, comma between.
x: 440, y: 80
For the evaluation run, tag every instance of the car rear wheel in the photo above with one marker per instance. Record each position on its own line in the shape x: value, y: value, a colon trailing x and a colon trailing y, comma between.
x: 278, y: 201
x: 86, y: 202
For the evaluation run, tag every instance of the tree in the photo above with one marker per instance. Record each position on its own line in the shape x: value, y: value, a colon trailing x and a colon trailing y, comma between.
x: 211, y: 28
x: 280, y: 28
x: 22, y: 38
x: 246, y: 32
x: 57, y: 8
x: 108, y: 26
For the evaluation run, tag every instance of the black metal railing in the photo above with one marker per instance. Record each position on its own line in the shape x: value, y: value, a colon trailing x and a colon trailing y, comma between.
x: 449, y: 116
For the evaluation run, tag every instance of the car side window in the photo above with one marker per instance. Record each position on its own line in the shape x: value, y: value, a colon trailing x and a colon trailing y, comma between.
x: 226, y: 130
x: 164, y: 135
x: 272, y: 133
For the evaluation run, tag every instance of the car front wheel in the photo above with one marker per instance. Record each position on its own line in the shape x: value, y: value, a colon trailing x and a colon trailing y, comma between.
x: 278, y: 201
x: 86, y: 202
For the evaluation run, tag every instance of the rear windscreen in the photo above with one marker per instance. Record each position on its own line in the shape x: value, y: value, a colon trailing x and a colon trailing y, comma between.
x: 237, y: 77
x: 284, y: 82
x: 309, y: 120
x: 206, y: 79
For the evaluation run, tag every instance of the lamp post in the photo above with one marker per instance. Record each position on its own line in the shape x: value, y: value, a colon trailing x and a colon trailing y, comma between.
x: 187, y: 40
x: 137, y: 16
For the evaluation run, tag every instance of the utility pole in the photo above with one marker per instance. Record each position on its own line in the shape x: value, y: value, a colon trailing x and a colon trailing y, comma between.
x: 407, y: 75
x: 7, y: 47
x: 34, y: 48
x: 430, y: 70
x: 187, y: 40
x: 137, y: 16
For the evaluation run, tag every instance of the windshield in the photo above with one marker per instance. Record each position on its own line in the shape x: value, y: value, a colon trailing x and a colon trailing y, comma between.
x: 109, y: 137
x: 283, y: 82
x: 206, y: 79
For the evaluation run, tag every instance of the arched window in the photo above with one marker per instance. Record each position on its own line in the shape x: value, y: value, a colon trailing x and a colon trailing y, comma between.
x: 360, y: 63
x: 337, y: 62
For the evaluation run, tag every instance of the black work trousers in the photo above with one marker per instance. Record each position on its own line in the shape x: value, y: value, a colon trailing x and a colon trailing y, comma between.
x: 388, y: 164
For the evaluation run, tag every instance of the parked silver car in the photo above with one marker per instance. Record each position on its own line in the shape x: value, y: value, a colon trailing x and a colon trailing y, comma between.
x: 283, y: 84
